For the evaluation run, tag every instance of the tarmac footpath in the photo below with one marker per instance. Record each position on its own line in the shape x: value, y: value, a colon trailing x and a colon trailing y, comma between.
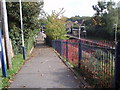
x: 45, y: 69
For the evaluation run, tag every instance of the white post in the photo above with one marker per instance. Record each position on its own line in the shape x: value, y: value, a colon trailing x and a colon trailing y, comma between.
x: 21, y: 23
x: 23, y: 45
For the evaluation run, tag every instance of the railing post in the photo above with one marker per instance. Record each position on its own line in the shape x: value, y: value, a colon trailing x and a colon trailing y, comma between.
x: 79, y: 53
x: 67, y: 50
x: 54, y: 44
x: 61, y: 47
x: 117, y: 67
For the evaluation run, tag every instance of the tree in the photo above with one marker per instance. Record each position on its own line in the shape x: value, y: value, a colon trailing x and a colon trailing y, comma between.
x: 104, y: 19
x: 31, y: 10
x: 99, y: 7
x: 75, y: 18
x: 55, y: 26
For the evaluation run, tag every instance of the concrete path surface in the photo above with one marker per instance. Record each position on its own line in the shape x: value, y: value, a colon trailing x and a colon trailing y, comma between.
x: 44, y: 69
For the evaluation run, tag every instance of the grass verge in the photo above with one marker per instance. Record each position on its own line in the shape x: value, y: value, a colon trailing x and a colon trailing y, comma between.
x: 0, y: 79
x: 17, y: 62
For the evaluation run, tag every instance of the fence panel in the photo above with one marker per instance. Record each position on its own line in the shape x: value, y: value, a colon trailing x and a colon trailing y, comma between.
x: 94, y: 59
x: 57, y: 45
x: 73, y: 52
x: 98, y: 62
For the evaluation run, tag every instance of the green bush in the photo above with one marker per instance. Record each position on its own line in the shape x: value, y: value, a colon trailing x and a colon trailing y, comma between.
x: 55, y: 27
x: 15, y: 35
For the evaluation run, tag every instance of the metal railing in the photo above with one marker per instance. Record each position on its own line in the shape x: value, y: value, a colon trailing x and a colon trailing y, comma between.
x: 95, y: 60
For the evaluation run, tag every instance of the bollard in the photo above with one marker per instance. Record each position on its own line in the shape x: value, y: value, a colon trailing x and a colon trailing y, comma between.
x: 24, y: 52
x: 79, y: 53
x: 66, y: 50
x: 117, y: 67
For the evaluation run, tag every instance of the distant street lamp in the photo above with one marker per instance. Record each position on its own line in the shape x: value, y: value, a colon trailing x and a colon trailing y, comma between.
x: 84, y: 31
x: 79, y: 30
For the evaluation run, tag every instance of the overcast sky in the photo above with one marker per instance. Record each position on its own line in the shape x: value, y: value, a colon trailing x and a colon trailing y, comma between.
x: 72, y: 7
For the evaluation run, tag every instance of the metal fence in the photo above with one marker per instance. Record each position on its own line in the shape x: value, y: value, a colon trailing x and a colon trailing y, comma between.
x: 94, y: 59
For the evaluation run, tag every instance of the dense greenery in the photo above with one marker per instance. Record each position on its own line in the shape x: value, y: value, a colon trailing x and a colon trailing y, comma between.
x: 104, y: 19
x: 31, y: 12
x: 55, y: 26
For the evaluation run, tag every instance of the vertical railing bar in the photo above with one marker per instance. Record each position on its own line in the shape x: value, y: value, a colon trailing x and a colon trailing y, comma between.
x: 109, y: 74
x: 80, y: 54
x: 66, y: 50
x: 102, y: 67
x: 61, y: 48
x: 104, y: 62
x: 93, y: 65
x: 112, y: 63
x: 109, y: 60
